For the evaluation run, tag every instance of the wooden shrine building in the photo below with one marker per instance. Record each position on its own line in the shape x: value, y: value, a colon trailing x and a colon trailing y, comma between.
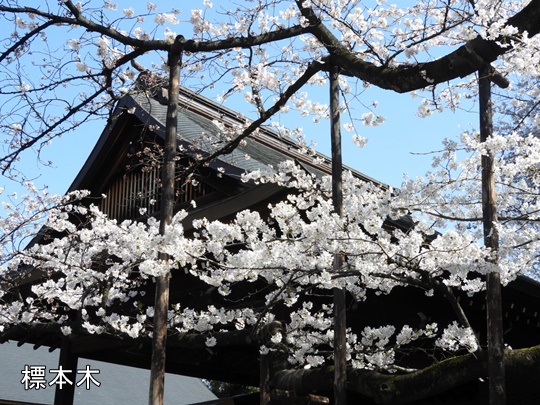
x: 113, y: 169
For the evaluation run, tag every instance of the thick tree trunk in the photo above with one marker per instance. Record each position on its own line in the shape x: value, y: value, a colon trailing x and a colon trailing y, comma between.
x: 497, y: 394
x: 340, y: 321
x: 159, y: 342
x: 395, y: 389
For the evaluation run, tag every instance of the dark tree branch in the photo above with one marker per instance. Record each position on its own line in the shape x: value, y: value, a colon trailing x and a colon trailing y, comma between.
x: 25, y: 38
x: 81, y: 21
x: 245, y: 42
x: 7, y: 160
x: 406, y: 78
x: 449, y: 295
x: 189, y: 45
x: 522, y: 364
x: 311, y: 70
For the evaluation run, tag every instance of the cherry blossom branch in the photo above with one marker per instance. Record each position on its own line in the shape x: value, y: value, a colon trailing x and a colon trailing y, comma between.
x: 80, y: 20
x: 7, y: 160
x: 188, y: 45
x: 24, y: 39
x: 406, y: 78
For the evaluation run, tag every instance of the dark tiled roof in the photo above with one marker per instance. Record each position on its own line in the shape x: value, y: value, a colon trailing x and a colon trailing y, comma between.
x: 266, y: 148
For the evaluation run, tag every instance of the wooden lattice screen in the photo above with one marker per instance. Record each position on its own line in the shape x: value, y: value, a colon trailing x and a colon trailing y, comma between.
x: 129, y: 195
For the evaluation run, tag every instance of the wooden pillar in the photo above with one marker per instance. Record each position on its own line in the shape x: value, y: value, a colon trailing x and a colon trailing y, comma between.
x: 340, y: 318
x: 65, y: 393
x: 161, y: 306
x: 495, y: 340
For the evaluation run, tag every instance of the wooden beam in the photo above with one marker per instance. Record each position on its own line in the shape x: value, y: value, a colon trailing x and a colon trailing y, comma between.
x: 232, y: 205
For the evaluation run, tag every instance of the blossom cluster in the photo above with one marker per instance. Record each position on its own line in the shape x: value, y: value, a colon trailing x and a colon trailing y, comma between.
x: 100, y: 270
x: 95, y: 273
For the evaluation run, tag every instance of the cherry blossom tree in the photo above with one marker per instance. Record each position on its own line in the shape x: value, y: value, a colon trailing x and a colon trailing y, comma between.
x: 294, y: 255
x: 270, y: 53
x: 266, y: 52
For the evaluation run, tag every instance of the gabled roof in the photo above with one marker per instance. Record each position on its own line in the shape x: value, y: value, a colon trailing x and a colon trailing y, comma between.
x: 198, y: 131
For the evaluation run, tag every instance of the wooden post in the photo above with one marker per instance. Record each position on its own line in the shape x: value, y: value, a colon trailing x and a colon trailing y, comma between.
x: 161, y: 307
x: 64, y: 394
x: 495, y: 340
x: 340, y: 317
x: 264, y: 383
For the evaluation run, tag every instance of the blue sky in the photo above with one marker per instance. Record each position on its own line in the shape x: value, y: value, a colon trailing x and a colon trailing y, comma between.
x: 391, y: 150
x: 386, y: 157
